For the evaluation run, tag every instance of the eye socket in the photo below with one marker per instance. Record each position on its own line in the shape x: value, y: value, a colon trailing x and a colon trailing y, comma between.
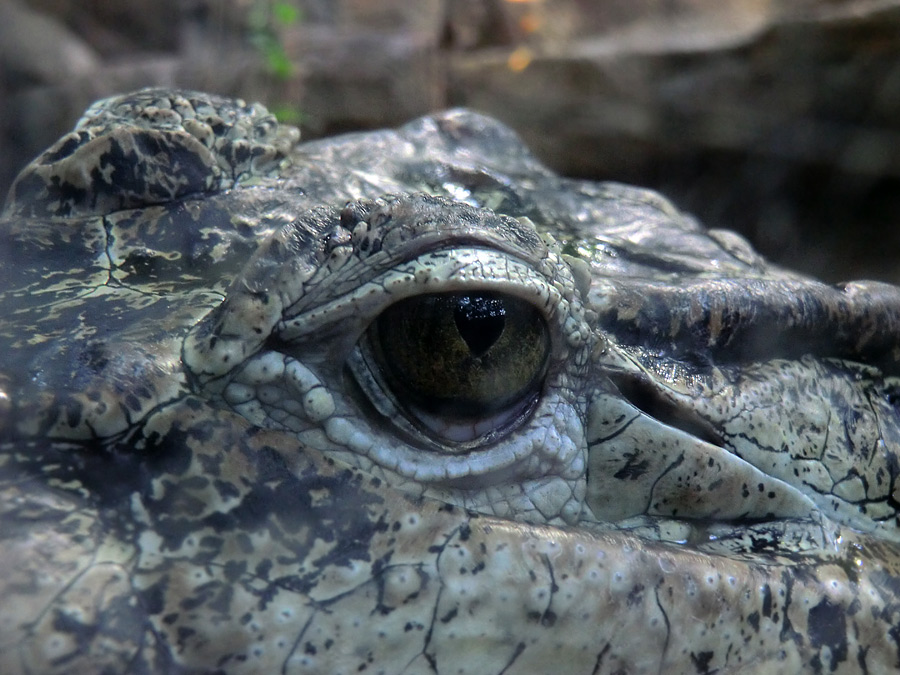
x: 462, y: 356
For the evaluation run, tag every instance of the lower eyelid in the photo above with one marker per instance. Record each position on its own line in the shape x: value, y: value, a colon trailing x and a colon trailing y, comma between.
x: 462, y: 431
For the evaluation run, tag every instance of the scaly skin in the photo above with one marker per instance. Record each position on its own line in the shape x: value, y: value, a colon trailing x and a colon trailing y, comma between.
x: 687, y: 463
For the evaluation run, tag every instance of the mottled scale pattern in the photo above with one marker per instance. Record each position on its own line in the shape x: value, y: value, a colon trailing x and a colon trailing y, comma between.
x: 210, y: 461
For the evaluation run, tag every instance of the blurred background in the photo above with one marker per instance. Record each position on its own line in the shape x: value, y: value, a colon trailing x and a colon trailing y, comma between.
x: 776, y: 118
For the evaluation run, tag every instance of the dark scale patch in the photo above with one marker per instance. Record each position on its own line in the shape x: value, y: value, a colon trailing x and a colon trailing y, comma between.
x: 63, y: 198
x: 184, y: 634
x: 828, y: 628
x: 194, y: 404
x: 256, y: 508
x: 753, y: 620
x: 234, y: 570
x: 93, y: 358
x: 270, y: 465
x: 763, y: 544
x: 266, y: 595
x: 203, y: 594
x: 221, y: 601
x: 124, y: 177
x: 635, y: 595
x: 195, y: 483
x: 173, y: 531
x: 153, y: 598
x: 633, y: 468
x: 244, y: 543
x: 353, y: 544
x: 68, y: 146
x: 74, y: 412
x: 701, y: 662
x: 240, y: 153
x: 227, y: 491
x: 169, y: 454
x: 767, y: 601
x: 122, y: 619
x: 164, y: 151
x: 263, y: 568
x: 210, y: 465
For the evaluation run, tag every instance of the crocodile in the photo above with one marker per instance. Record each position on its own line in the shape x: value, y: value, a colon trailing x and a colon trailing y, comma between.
x: 407, y: 401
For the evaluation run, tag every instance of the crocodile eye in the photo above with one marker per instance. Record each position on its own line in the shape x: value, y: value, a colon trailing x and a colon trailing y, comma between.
x: 456, y: 358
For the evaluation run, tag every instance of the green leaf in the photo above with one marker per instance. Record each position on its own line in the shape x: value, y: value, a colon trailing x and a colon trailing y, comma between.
x: 285, y: 13
x: 286, y: 113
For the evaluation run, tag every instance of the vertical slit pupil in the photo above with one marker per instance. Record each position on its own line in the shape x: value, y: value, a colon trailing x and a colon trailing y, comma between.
x: 480, y: 320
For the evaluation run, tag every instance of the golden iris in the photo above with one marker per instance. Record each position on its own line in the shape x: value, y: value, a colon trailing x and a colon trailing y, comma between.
x: 461, y: 354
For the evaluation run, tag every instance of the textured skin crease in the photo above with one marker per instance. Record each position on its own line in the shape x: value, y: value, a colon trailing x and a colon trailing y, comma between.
x: 204, y: 467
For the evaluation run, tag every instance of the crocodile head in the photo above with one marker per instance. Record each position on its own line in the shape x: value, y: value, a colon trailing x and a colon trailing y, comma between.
x: 406, y: 401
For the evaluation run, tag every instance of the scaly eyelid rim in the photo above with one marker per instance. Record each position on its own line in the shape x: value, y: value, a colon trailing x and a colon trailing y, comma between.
x: 435, y: 272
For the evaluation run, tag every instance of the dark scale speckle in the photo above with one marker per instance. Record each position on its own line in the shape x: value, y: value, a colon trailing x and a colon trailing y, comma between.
x: 153, y: 597
x: 636, y: 595
x: 701, y: 662
x: 222, y: 600
x: 68, y: 146
x: 235, y: 569
x: 184, y: 634
x: 828, y: 628
x: 753, y: 621
x: 767, y: 601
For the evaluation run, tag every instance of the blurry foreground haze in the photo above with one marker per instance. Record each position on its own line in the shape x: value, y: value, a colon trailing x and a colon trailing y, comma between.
x: 777, y: 118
